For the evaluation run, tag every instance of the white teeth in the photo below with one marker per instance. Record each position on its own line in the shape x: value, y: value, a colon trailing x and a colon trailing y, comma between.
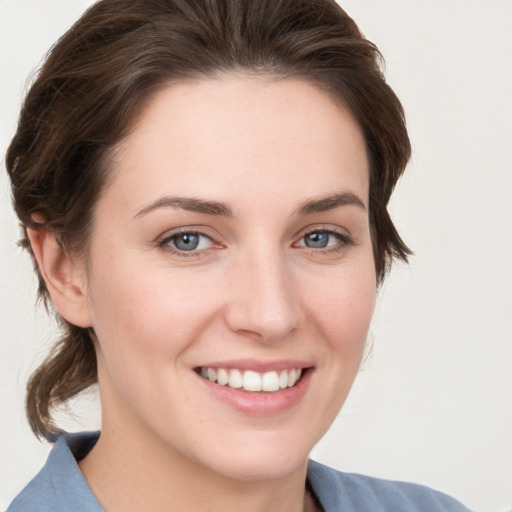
x: 292, y: 377
x: 222, y: 376
x: 270, y: 381
x: 251, y: 380
x: 283, y: 379
x: 235, y: 379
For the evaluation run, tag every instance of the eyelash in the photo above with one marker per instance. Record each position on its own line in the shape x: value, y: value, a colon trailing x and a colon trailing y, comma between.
x: 344, y: 240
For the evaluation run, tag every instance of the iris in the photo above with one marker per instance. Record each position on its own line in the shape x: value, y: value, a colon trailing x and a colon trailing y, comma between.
x: 317, y: 240
x: 186, y: 241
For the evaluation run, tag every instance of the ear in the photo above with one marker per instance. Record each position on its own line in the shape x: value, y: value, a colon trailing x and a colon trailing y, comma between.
x: 65, y: 280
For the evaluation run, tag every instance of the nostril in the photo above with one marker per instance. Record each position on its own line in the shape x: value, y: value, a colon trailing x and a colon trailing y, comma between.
x: 268, y: 327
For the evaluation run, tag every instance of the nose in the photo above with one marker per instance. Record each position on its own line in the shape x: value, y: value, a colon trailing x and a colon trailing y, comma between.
x: 264, y: 300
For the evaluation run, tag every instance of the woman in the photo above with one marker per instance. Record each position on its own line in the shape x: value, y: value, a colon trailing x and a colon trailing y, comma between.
x: 203, y: 187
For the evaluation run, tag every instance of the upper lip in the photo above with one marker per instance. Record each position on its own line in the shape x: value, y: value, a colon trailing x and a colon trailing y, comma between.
x: 258, y: 365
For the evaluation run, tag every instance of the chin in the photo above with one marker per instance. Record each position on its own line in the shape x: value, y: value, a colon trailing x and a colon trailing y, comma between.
x: 261, y: 468
x: 266, y: 457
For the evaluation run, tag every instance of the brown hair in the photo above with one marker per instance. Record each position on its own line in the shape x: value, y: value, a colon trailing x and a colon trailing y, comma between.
x: 95, y: 80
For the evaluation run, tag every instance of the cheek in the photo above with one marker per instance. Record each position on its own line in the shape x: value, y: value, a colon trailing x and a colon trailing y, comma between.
x: 144, y: 326
x: 148, y: 314
x: 343, y: 309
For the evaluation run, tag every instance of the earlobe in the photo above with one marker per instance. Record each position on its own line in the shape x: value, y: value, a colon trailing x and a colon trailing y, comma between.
x: 64, y: 280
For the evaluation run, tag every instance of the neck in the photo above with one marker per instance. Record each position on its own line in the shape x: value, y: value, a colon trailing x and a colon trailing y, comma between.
x: 129, y: 471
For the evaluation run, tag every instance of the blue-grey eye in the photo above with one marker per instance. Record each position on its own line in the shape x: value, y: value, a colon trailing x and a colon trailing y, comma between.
x: 317, y: 239
x: 186, y: 241
x: 190, y: 242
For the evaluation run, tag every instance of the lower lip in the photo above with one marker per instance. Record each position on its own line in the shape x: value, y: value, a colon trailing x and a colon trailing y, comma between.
x: 260, y: 403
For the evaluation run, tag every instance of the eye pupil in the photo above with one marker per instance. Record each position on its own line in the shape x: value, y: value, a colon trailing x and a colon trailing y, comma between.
x: 316, y: 240
x: 186, y: 241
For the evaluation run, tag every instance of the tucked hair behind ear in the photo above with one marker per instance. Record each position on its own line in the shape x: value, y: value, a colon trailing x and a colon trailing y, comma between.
x: 95, y: 81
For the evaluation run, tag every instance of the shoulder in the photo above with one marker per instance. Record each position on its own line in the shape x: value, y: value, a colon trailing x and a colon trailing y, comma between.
x: 352, y: 492
x: 60, y: 486
x: 37, y: 496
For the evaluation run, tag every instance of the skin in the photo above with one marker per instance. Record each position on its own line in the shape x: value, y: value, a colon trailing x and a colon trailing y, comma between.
x: 253, y: 290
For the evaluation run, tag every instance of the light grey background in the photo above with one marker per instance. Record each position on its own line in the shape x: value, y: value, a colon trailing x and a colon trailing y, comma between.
x: 434, y: 403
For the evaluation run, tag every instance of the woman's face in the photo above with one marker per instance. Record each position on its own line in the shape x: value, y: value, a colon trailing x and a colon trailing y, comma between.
x: 232, y: 244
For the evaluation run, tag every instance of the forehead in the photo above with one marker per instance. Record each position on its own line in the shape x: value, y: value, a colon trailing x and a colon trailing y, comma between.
x: 236, y: 133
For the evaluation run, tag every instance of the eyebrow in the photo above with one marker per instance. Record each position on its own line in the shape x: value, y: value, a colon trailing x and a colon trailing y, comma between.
x: 190, y: 204
x: 216, y: 208
x: 330, y: 202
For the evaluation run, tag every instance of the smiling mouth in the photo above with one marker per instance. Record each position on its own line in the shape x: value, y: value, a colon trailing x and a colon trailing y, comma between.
x: 249, y: 380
